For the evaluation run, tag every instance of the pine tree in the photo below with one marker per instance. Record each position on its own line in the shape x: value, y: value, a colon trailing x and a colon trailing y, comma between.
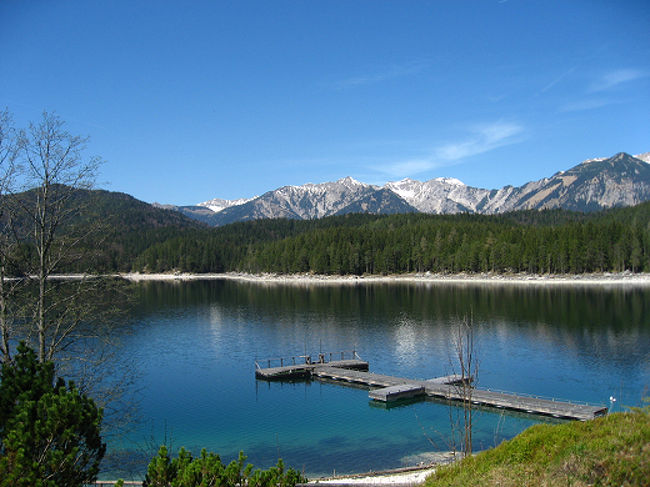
x: 49, y: 431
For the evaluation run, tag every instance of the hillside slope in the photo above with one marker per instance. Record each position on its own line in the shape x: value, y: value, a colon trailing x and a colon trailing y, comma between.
x: 612, y: 450
x: 111, y: 228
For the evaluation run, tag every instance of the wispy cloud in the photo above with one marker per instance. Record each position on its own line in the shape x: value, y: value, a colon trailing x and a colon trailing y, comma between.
x: 483, y: 138
x: 589, y: 104
x: 478, y: 140
x: 382, y: 74
x: 408, y: 167
x: 615, y: 78
x: 602, y: 91
x: 558, y: 79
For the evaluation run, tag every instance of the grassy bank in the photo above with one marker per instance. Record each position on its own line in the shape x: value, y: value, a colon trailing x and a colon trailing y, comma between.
x: 612, y: 450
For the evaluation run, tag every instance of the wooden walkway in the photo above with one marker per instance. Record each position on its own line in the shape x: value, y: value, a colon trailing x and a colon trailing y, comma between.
x: 302, y: 366
x: 388, y: 388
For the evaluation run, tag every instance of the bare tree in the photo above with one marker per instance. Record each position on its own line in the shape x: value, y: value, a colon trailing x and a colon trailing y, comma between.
x: 46, y: 230
x: 54, y: 170
x: 466, y: 355
x: 8, y: 152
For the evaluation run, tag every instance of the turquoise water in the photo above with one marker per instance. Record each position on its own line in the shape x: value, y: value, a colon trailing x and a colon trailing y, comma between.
x: 193, y: 345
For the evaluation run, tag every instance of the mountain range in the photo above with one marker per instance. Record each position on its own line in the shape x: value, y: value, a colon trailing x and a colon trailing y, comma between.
x: 595, y: 184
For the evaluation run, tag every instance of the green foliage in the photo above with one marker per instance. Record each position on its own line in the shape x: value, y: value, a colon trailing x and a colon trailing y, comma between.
x: 134, y: 236
x: 208, y: 470
x: 612, y: 450
x: 110, y: 232
x: 49, y: 431
x: 555, y: 241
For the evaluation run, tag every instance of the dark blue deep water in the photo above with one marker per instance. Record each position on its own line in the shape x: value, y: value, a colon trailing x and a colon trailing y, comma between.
x: 192, y: 347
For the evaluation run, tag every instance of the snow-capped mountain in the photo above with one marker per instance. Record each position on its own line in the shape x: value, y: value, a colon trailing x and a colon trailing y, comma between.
x: 594, y: 184
x: 300, y: 202
x: 439, y: 195
x: 217, y: 204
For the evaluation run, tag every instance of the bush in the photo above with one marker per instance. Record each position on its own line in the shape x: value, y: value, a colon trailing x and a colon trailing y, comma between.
x: 208, y: 470
x: 49, y: 431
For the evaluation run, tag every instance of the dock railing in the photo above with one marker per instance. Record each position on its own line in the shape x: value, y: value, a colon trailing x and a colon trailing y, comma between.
x: 318, y: 358
x: 542, y: 397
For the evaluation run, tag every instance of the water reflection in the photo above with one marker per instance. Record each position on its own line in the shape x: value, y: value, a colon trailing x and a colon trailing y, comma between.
x: 197, y: 341
x: 593, y: 325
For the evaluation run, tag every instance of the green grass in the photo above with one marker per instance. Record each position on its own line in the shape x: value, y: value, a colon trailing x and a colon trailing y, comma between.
x: 612, y: 450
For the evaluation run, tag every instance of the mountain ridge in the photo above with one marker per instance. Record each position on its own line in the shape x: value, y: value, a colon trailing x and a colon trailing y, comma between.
x: 593, y: 184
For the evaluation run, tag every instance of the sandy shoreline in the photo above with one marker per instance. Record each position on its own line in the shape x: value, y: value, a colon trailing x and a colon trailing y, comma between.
x: 604, y: 279
x: 413, y: 475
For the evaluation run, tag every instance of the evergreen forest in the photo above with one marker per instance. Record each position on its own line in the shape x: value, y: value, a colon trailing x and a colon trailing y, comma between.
x: 117, y: 233
x: 553, y: 241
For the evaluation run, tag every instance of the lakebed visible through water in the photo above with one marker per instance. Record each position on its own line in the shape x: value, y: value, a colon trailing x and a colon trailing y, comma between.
x: 193, y: 344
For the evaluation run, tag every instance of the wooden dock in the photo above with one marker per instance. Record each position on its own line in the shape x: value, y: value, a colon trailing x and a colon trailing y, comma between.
x: 385, y: 388
x: 302, y: 366
x: 395, y: 393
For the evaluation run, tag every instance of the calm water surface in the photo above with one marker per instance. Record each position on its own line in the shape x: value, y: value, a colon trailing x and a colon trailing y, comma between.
x: 193, y: 347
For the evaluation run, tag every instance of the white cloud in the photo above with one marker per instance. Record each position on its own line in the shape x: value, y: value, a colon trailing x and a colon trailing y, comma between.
x: 615, y: 78
x: 480, y: 139
x: 483, y: 138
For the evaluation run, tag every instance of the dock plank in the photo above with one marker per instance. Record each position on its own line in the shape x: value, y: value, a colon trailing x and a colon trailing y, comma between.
x: 297, y: 371
x: 441, y: 389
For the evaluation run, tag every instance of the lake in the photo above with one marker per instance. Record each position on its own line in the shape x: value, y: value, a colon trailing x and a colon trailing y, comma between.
x: 192, y: 347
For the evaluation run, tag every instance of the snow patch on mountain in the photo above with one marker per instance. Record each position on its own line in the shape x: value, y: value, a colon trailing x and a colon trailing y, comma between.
x: 314, y: 200
x: 217, y: 204
x: 595, y: 159
x: 597, y: 183
x: 439, y: 195
x: 645, y: 157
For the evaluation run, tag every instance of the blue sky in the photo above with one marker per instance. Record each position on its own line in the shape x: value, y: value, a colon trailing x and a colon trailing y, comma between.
x: 187, y: 101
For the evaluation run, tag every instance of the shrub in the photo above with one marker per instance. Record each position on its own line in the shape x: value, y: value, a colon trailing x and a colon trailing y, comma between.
x: 208, y: 470
x: 49, y: 431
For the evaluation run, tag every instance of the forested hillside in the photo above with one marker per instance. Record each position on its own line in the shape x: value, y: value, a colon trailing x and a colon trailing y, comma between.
x: 109, y: 229
x: 537, y: 242
x: 121, y: 233
x: 124, y: 227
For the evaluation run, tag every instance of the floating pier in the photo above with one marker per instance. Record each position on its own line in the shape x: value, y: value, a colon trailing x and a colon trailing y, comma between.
x: 302, y: 366
x: 348, y: 367
x: 394, y: 393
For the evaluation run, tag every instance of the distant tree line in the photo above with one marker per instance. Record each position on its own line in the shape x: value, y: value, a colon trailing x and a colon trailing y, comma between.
x: 129, y: 235
x: 554, y: 241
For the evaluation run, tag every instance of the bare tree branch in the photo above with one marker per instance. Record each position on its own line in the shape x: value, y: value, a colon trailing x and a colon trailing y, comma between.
x: 44, y: 231
x: 466, y: 354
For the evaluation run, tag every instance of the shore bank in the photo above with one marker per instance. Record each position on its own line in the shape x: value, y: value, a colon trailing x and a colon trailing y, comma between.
x: 604, y: 279
x: 405, y: 476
